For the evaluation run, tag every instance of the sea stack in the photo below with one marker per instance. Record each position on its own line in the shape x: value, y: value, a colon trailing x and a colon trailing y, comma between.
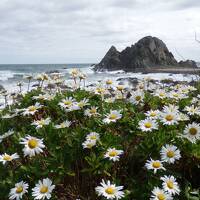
x: 148, y: 53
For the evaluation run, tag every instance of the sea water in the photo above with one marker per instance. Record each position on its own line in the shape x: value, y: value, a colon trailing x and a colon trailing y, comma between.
x: 11, y: 74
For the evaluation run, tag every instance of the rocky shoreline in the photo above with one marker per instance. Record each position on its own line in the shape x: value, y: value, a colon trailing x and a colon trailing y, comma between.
x: 174, y: 70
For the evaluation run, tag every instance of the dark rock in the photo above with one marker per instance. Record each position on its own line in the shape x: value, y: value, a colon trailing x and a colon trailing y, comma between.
x: 52, y: 72
x: 188, y: 63
x: 2, y: 88
x: 132, y: 81
x: 111, y: 61
x: 148, y: 53
x: 92, y: 85
x: 36, y: 85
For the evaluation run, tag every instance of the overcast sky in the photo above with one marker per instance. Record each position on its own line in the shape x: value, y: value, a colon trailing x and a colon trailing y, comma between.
x: 81, y: 31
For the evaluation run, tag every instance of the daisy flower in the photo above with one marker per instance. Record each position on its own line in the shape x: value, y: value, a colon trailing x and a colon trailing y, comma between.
x: 169, y: 118
x: 82, y: 76
x: 91, y: 112
x: 109, y: 100
x: 42, y: 122
x: 92, y: 136
x: 194, y: 100
x: 137, y: 97
x: 177, y: 95
x: 113, y: 116
x: 109, y: 190
x: 170, y: 153
x: 154, y: 165
x: 42, y: 77
x: 82, y: 103
x: 153, y: 114
x: 192, y: 110
x: 5, y: 135
x: 31, y: 110
x: 18, y: 191
x: 183, y: 117
x: 140, y: 85
x: 74, y: 73
x: 120, y: 88
x: 32, y: 145
x: 160, y: 93
x: 63, y: 125
x: 171, y: 108
x: 159, y: 194
x: 44, y: 97
x: 67, y: 103
x: 4, y: 158
x: 88, y: 144
x: 148, y: 124
x: 109, y: 82
x: 113, y: 154
x: 191, y: 88
x: 43, y: 189
x: 170, y: 185
x: 100, y: 91
x: 119, y: 95
x: 192, y: 132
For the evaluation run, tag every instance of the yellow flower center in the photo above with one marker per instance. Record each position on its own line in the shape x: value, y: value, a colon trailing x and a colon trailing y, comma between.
x: 62, y: 125
x: 120, y: 87
x: 32, y: 143
x: 44, y: 189
x: 148, y: 125
x: 169, y: 117
x: 93, y: 137
x: 67, y: 103
x: 175, y: 95
x: 192, y: 110
x: 89, y: 145
x: 156, y: 164
x: 7, y: 158
x: 81, y: 104
x: 19, y: 189
x: 93, y: 111
x: 161, y: 196
x: 153, y: 114
x: 110, y: 190
x: 113, y: 153
x: 100, y: 90
x: 74, y: 72
x: 138, y: 98
x: 170, y: 184
x: 162, y: 94
x: 32, y: 109
x: 41, y: 122
x: 109, y: 82
x: 113, y: 116
x: 170, y: 154
x: 193, y: 131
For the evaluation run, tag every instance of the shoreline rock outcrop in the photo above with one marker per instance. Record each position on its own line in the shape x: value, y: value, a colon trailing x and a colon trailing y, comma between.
x: 149, y: 52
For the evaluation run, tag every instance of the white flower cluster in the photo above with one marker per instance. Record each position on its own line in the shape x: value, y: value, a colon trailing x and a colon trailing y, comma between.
x: 42, y: 190
x: 169, y: 154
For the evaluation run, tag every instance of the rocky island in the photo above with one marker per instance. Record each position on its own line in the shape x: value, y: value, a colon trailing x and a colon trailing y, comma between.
x: 148, y: 55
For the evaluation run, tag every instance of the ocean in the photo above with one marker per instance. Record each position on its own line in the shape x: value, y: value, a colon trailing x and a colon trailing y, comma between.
x: 11, y: 74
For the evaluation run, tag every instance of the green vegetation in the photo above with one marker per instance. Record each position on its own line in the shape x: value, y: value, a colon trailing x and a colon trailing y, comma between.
x: 60, y: 123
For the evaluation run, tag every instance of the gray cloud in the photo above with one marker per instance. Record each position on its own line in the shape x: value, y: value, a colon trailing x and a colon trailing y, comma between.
x: 82, y: 30
x: 187, y: 4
